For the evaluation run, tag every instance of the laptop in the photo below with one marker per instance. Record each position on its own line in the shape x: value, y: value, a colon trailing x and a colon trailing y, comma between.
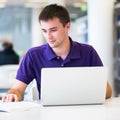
x: 73, y: 85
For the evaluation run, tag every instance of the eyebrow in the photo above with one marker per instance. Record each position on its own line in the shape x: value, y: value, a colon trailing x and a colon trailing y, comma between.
x: 49, y: 28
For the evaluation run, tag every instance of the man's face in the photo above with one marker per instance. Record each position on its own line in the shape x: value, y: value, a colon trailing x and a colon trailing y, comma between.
x: 54, y: 32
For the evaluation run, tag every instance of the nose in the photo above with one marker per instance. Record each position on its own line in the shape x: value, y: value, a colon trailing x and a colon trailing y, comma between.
x: 49, y: 35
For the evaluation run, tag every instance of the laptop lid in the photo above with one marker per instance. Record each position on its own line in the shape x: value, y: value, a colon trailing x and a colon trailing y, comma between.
x: 73, y: 85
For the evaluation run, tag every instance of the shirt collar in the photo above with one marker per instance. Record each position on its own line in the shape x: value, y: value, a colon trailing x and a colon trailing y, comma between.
x: 73, y: 54
x: 74, y: 50
x: 49, y: 53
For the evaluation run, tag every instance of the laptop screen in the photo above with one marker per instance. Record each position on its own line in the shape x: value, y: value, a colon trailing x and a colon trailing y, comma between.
x: 73, y: 85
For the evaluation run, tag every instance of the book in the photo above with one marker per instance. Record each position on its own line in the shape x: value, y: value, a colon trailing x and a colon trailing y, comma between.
x: 17, y: 106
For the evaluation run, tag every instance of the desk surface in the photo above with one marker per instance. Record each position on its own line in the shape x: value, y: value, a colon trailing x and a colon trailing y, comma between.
x: 109, y: 111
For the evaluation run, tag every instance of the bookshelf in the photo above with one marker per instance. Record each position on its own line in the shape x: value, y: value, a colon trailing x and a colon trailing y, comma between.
x: 117, y: 48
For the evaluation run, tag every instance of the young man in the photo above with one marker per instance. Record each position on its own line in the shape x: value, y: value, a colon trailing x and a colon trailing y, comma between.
x: 60, y: 51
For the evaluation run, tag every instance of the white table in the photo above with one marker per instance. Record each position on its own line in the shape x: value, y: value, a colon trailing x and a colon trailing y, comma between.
x: 109, y: 111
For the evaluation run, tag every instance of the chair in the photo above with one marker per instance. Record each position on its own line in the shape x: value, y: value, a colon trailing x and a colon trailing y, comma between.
x: 31, y: 92
x: 7, y: 77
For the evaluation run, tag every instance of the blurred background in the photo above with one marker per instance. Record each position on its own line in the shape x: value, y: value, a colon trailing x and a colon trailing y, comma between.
x: 19, y: 21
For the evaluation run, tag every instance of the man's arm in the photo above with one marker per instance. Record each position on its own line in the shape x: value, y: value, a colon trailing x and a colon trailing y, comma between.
x: 108, y: 91
x: 15, y: 93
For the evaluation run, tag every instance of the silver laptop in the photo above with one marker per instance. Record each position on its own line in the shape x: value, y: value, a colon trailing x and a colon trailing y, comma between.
x: 73, y: 85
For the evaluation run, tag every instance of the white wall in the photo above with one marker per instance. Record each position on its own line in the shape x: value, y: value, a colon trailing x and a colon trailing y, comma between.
x: 100, y: 31
x: 37, y: 38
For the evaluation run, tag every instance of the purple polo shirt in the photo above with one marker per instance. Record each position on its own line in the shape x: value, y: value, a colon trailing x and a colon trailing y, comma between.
x: 42, y: 56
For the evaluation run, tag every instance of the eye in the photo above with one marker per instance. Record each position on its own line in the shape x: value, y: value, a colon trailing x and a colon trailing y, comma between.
x: 44, y: 31
x: 53, y: 30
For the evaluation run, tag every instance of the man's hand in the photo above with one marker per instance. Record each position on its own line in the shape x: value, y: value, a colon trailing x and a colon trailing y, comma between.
x: 10, y: 98
x: 108, y: 91
x: 16, y: 93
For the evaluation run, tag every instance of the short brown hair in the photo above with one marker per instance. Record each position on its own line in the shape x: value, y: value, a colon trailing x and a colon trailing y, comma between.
x: 53, y: 10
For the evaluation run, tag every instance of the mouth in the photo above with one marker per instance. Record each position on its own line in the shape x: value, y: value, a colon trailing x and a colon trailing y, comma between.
x: 52, y: 41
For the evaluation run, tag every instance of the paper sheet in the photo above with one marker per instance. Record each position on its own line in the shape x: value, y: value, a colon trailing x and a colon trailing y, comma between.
x: 17, y: 106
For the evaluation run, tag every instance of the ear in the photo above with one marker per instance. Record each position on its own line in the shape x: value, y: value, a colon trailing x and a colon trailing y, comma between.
x: 68, y: 25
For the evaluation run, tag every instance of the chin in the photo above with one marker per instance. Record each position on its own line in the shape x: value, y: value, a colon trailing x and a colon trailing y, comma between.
x: 52, y: 46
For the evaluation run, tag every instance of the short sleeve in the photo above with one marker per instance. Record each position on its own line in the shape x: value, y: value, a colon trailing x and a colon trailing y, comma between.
x: 25, y: 72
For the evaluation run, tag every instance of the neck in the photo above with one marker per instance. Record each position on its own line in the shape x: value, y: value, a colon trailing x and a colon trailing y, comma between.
x: 63, y: 50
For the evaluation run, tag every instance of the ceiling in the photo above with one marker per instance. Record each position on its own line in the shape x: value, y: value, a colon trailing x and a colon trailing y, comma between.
x: 73, y: 6
x: 41, y: 3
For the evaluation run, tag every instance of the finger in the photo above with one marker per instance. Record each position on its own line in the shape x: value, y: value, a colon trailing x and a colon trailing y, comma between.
x: 10, y: 98
x: 4, y: 98
x: 15, y: 98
